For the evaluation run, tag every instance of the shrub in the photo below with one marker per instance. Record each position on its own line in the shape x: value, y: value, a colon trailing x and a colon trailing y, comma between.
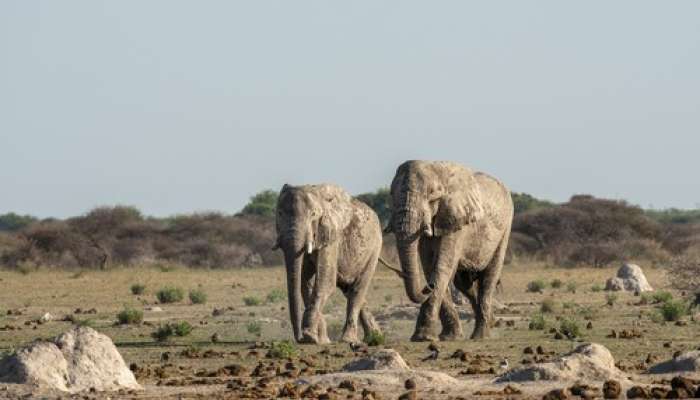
x: 568, y: 305
x: 610, y: 299
x: 374, y: 338
x: 661, y: 297
x: 197, y: 296
x: 596, y: 288
x: 254, y: 328
x: 165, y: 332
x: 536, y: 286
x: 537, y: 322
x: 570, y: 328
x: 138, y: 288
x: 170, y: 295
x: 588, y: 313
x: 276, y: 295
x: 571, y: 287
x: 284, y: 349
x: 673, y: 310
x: 130, y: 316
x: 252, y: 301
x: 547, y: 306
x: 556, y: 283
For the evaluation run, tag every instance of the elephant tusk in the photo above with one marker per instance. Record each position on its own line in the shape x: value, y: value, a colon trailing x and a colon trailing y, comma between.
x: 309, y: 247
x: 388, y: 266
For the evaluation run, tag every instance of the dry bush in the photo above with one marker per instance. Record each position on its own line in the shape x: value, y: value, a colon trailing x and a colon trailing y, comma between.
x: 684, y: 273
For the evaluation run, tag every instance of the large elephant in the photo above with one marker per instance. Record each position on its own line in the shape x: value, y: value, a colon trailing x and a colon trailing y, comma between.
x: 329, y: 239
x: 455, y: 223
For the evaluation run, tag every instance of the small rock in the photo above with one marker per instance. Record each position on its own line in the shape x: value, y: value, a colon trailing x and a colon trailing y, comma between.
x: 556, y: 394
x: 410, y: 384
x: 589, y: 325
x: 46, y: 317
x: 528, y: 350
x: 612, y: 389
x: 348, y: 385
x: 410, y: 395
x: 680, y: 382
x: 638, y: 392
x: 215, y: 338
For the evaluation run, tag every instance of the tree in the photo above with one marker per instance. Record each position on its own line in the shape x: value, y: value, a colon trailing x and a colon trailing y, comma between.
x: 262, y: 203
x: 380, y: 202
x: 524, y: 202
x: 14, y: 222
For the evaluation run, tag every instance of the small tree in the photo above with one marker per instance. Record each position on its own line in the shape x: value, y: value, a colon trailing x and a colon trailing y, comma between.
x: 380, y: 202
x: 262, y: 203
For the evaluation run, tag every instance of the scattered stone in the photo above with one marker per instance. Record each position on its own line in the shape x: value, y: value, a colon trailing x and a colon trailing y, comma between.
x: 528, y: 350
x: 680, y: 382
x: 215, y: 338
x: 348, y: 385
x: 556, y: 394
x: 630, y: 277
x: 410, y: 395
x: 612, y: 389
x: 382, y: 359
x: 686, y: 362
x: 638, y: 392
x: 589, y: 325
x: 410, y: 384
x: 591, y: 362
x: 77, y: 360
x: 658, y: 392
x: 46, y: 318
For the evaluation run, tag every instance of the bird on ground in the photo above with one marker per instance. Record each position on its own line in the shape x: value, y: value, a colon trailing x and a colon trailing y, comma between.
x: 503, y: 364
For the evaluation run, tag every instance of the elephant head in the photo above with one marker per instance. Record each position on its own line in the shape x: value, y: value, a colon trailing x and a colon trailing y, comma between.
x: 429, y: 199
x: 309, y: 219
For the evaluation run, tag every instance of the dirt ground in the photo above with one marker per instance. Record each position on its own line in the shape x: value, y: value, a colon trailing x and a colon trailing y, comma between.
x: 191, y: 366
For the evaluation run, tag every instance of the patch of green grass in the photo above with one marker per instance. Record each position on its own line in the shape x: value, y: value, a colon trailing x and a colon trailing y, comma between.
x: 570, y: 328
x: 571, y: 287
x: 284, y: 349
x: 547, y: 306
x: 596, y: 288
x: 661, y: 297
x: 537, y: 322
x: 276, y: 295
x: 252, y: 301
x: 170, y: 295
x: 673, y: 310
x: 165, y: 332
x: 556, y: 283
x: 91, y: 323
x: 374, y: 338
x: 568, y: 305
x: 138, y: 288
x: 588, y: 312
x: 198, y: 296
x: 254, y: 328
x: 536, y: 286
x: 610, y: 299
x: 130, y: 316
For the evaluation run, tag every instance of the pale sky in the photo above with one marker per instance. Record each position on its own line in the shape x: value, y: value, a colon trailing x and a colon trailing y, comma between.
x: 182, y: 106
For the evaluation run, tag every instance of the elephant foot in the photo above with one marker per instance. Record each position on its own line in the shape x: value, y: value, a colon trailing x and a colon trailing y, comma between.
x: 423, y: 337
x: 308, y: 337
x: 324, y: 340
x: 450, y: 336
x: 480, y: 333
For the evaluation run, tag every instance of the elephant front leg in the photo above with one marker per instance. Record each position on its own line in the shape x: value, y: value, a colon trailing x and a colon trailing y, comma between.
x: 488, y: 280
x: 438, y: 305
x: 313, y: 322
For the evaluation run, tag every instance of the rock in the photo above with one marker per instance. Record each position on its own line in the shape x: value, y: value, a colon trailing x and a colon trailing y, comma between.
x: 46, y: 318
x: 380, y: 360
x: 154, y: 309
x: 592, y: 362
x: 612, y: 389
x: 589, y: 325
x: 556, y: 394
x: 686, y: 362
x: 659, y: 392
x: 348, y: 385
x: 680, y: 382
x: 78, y: 360
x: 410, y: 384
x: 630, y: 277
x: 410, y: 395
x: 638, y: 392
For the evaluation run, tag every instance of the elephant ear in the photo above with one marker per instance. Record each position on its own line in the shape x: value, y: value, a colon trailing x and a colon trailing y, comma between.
x: 456, y: 210
x: 337, y: 214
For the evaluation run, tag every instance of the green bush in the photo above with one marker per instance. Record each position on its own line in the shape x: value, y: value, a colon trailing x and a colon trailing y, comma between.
x: 568, y: 305
x: 262, y: 203
x: 537, y: 322
x: 661, y: 297
x: 588, y: 312
x: 556, y: 283
x: 130, y: 316
x: 570, y: 328
x: 610, y: 299
x: 284, y: 349
x: 596, y: 288
x: 170, y: 295
x: 165, y: 332
x: 252, y: 301
x: 571, y: 287
x: 197, y: 296
x: 673, y: 310
x: 536, y: 286
x: 276, y: 295
x: 374, y: 338
x: 547, y: 306
x: 138, y: 288
x: 254, y: 328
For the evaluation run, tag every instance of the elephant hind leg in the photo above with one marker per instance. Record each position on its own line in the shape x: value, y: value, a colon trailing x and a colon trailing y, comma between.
x: 369, y: 325
x: 488, y: 280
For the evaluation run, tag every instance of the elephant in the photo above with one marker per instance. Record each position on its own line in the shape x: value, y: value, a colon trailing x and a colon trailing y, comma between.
x: 328, y: 239
x: 455, y: 223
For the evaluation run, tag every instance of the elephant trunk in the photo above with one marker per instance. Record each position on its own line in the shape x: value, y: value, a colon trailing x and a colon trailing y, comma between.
x: 293, y: 261
x: 408, y: 255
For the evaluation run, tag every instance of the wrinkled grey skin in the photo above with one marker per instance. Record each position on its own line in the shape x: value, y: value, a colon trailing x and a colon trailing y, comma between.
x: 329, y: 239
x: 455, y: 223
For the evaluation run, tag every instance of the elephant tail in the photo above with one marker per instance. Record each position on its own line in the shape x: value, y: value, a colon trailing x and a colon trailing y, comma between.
x: 392, y: 268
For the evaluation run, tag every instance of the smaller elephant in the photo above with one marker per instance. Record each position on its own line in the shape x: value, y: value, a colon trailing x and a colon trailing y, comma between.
x: 329, y: 239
